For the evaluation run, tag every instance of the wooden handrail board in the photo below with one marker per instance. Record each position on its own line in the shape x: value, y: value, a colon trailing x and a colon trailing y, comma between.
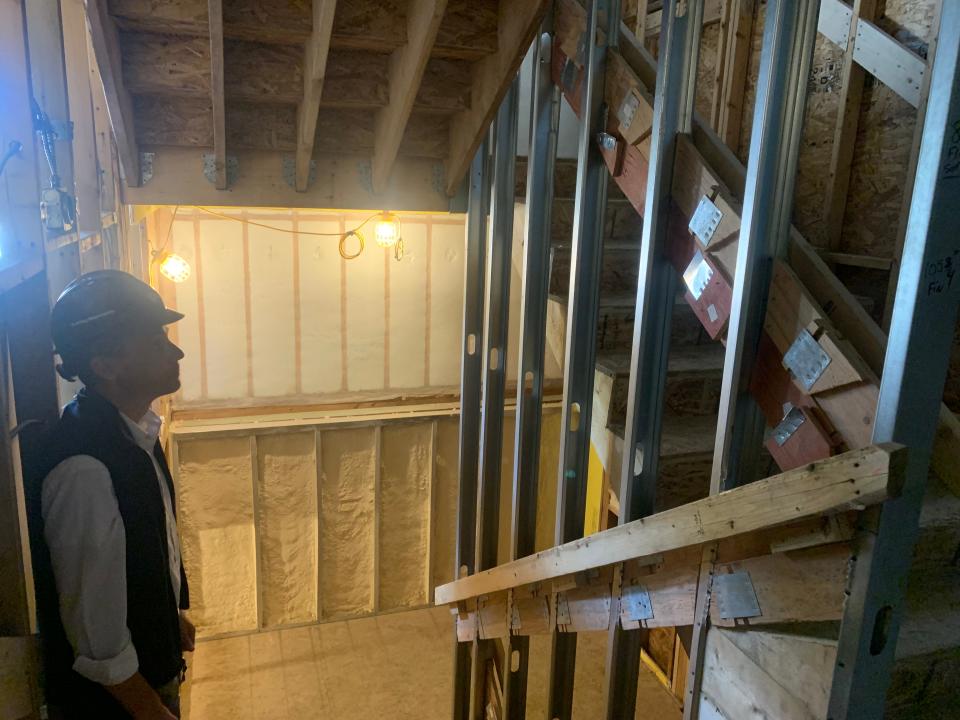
x: 852, y: 480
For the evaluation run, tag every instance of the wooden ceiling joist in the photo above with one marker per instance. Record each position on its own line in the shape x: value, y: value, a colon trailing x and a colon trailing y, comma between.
x: 217, y: 99
x: 517, y: 24
x: 315, y: 66
x: 407, y: 65
x: 468, y: 30
x: 106, y: 48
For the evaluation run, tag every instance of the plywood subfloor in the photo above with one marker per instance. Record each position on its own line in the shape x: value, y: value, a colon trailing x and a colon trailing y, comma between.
x: 397, y: 666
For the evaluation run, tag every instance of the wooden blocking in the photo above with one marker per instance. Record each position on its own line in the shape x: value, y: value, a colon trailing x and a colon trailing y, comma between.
x: 465, y: 612
x: 531, y: 611
x: 712, y: 307
x: 569, y: 78
x: 670, y: 584
x: 777, y: 582
x: 628, y: 102
x: 587, y: 604
x: 633, y: 173
x: 492, y: 620
x: 693, y: 179
x: 791, y: 310
x: 773, y: 388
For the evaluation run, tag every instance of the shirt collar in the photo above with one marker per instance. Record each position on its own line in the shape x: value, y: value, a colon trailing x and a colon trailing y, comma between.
x: 146, y: 431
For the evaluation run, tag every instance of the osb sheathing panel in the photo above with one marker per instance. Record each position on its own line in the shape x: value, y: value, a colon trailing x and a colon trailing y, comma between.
x: 215, y: 498
x: 404, y: 515
x: 287, y: 518
x: 706, y: 69
x: 348, y: 460
x: 446, y: 488
x: 395, y: 666
x: 653, y: 699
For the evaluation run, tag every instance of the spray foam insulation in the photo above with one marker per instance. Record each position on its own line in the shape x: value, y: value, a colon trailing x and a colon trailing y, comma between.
x: 319, y: 264
x: 654, y: 700
x: 348, y: 462
x: 215, y: 497
x: 446, y: 488
x: 404, y: 515
x: 395, y: 666
x: 287, y: 518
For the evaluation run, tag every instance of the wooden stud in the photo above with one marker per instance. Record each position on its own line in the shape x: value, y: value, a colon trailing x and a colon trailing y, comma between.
x: 845, y: 134
x: 215, y: 12
x: 318, y: 458
x: 733, y: 56
x: 255, y: 474
x: 911, y: 172
x: 857, y: 478
x: 432, y: 518
x: 106, y: 48
x: 314, y: 70
x: 377, y: 476
x: 406, y: 71
x: 517, y: 24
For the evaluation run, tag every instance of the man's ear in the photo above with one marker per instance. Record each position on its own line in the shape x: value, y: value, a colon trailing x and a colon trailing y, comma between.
x: 104, y: 367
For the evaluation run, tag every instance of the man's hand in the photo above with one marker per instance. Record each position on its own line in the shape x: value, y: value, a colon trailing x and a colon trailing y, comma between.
x: 188, y: 634
x: 139, y: 699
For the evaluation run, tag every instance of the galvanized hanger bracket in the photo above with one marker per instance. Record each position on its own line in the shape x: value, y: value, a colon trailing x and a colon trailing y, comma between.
x: 288, y: 167
x: 210, y: 168
x: 736, y: 596
x: 705, y: 221
x: 806, y: 360
x: 146, y: 167
x: 697, y: 275
x: 635, y: 603
x: 793, y: 418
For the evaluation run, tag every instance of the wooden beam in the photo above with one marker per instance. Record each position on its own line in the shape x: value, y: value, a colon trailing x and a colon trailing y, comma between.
x: 855, y: 479
x: 406, y: 70
x: 215, y: 14
x: 106, y: 48
x: 314, y: 72
x: 733, y: 56
x: 343, y: 181
x: 517, y: 24
x: 845, y: 134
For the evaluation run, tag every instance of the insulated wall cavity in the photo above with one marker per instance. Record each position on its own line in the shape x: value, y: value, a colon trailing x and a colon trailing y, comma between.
x: 446, y: 490
x: 404, y: 517
x: 215, y: 498
x: 348, y: 462
x: 287, y: 521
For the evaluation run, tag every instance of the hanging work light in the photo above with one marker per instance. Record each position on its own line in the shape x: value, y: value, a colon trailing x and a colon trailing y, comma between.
x: 174, y: 268
x: 387, y: 230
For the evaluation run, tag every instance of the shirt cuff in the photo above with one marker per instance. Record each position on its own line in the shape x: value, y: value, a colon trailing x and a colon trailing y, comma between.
x: 109, y: 671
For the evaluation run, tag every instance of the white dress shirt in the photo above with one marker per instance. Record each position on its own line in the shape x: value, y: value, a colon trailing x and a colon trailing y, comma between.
x: 87, y: 541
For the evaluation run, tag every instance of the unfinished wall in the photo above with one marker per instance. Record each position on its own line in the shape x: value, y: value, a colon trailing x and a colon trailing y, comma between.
x: 349, y: 460
x: 405, y: 514
x: 446, y: 494
x: 215, y: 498
x: 287, y: 522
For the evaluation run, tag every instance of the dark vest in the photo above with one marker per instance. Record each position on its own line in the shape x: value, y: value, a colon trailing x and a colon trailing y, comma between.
x: 92, y: 426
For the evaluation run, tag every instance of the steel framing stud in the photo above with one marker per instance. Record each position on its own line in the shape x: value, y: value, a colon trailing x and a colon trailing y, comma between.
x: 914, y: 372
x: 545, y: 119
x: 789, y: 32
x: 790, y: 29
x: 470, y: 394
x: 582, y: 309
x: 672, y: 114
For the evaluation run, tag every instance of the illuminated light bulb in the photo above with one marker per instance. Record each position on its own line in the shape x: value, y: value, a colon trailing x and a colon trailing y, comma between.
x: 174, y: 268
x: 387, y: 230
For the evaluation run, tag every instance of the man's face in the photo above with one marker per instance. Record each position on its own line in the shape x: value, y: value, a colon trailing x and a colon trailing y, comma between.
x: 146, y: 363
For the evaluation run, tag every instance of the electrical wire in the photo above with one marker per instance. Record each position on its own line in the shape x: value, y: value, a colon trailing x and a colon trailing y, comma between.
x: 344, y: 236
